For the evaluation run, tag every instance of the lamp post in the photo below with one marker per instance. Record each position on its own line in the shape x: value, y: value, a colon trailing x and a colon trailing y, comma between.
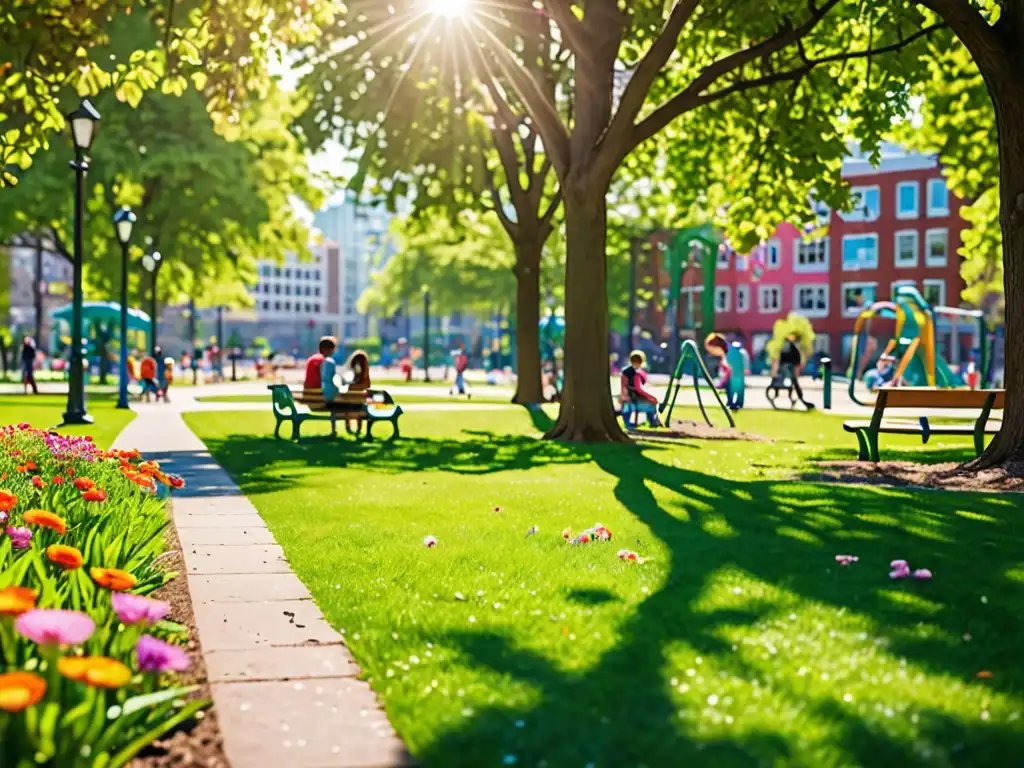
x: 426, y: 333
x: 83, y: 122
x: 151, y: 263
x: 124, y: 222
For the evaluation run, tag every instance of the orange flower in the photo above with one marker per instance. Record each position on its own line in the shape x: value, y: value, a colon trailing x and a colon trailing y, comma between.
x: 20, y: 690
x: 84, y: 484
x: 113, y: 578
x: 31, y: 465
x: 70, y: 472
x: 15, y: 601
x: 45, y: 519
x: 21, y: 468
x: 57, y: 480
x: 149, y: 466
x: 7, y: 501
x: 97, y: 671
x: 68, y: 558
x: 96, y: 494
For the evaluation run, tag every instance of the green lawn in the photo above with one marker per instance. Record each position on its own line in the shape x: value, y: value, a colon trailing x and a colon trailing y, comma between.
x: 46, y: 411
x: 740, y: 642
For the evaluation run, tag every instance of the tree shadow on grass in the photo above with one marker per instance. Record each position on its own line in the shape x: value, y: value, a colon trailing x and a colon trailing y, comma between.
x: 256, y: 462
x: 620, y: 710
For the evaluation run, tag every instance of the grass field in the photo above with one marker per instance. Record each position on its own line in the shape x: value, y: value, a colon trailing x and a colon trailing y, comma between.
x: 46, y: 411
x: 739, y: 642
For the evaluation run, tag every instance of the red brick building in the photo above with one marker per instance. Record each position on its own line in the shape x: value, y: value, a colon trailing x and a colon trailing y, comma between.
x: 906, y: 229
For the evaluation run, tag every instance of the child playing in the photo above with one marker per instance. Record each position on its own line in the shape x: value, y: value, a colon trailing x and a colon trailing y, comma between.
x: 168, y: 377
x: 632, y: 395
x: 882, y: 374
x: 147, y: 377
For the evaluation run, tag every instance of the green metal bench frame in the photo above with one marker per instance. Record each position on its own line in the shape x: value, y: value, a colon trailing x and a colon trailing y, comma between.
x: 868, y: 432
x: 286, y: 410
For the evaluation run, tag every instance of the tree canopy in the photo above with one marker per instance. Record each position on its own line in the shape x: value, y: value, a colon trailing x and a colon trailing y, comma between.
x: 212, y: 204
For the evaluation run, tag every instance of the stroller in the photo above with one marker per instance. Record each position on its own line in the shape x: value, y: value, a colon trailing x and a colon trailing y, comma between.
x: 786, y: 381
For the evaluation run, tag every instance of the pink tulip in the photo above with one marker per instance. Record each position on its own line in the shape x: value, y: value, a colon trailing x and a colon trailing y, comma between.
x: 53, y: 627
x: 21, y: 538
x: 3, y: 517
x: 157, y: 656
x: 846, y: 559
x: 899, y: 565
x: 135, y: 609
x: 922, y: 573
x: 430, y: 542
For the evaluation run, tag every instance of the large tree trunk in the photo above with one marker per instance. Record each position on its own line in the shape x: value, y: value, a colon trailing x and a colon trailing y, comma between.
x: 586, y: 413
x: 529, y: 388
x: 1008, y: 98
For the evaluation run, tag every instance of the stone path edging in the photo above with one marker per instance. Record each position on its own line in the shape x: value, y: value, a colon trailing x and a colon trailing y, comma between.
x: 285, y: 687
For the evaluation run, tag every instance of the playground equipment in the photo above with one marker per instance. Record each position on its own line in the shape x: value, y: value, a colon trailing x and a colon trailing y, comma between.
x: 689, y: 350
x: 100, y: 321
x: 694, y: 247
x: 733, y: 361
x: 914, y: 342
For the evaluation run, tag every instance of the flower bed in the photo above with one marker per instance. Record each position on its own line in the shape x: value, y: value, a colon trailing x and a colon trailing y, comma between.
x: 89, y: 660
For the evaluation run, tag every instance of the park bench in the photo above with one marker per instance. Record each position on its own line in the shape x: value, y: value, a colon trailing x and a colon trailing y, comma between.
x: 919, y: 398
x: 287, y: 410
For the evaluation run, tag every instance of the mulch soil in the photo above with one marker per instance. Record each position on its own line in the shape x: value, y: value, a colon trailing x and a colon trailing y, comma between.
x: 196, y: 744
x: 947, y: 477
x: 691, y: 430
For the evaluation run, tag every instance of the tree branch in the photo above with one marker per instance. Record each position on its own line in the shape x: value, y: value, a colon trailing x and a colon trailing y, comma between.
x: 542, y: 110
x: 647, y: 70
x: 970, y: 26
x: 692, y: 97
x: 570, y: 29
x: 499, y: 207
x: 549, y: 213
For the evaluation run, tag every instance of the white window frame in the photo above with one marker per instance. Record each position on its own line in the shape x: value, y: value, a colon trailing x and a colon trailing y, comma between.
x: 898, y: 283
x: 896, y: 248
x: 916, y: 213
x: 742, y: 262
x: 942, y: 294
x: 933, y: 212
x: 726, y: 291
x: 811, y: 269
x: 775, y: 244
x: 744, y: 291
x: 860, y: 236
x: 858, y: 215
x: 761, y: 290
x: 928, y: 260
x: 722, y: 258
x: 860, y: 284
x: 810, y: 313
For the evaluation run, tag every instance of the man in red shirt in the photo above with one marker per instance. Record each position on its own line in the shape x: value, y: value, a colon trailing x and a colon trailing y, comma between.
x: 461, y: 364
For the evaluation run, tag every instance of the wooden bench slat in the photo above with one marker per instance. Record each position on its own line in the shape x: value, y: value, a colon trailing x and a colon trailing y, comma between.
x: 915, y: 428
x: 925, y: 397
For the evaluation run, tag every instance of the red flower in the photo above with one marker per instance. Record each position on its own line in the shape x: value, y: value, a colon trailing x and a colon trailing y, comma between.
x: 57, y: 480
x: 84, y: 484
x: 95, y: 494
x: 70, y: 471
x: 15, y: 453
x: 38, y: 482
x: 30, y: 465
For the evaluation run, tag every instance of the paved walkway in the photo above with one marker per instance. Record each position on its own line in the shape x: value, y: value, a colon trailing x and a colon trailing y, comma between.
x: 284, y: 685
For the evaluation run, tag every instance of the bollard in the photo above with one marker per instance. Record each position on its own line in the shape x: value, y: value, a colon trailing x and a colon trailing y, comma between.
x: 826, y: 375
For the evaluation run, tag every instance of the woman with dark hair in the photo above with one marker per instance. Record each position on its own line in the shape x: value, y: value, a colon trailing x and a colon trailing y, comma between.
x: 28, y: 365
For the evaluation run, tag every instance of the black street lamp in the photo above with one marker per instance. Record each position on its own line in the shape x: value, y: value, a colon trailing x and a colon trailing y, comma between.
x: 426, y: 333
x: 124, y: 223
x: 151, y: 262
x: 83, y: 122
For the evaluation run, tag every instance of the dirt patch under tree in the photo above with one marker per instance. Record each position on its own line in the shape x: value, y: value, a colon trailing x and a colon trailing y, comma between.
x: 949, y: 477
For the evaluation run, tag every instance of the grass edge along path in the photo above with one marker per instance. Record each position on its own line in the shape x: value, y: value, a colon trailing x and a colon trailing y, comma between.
x: 46, y: 411
x: 739, y: 641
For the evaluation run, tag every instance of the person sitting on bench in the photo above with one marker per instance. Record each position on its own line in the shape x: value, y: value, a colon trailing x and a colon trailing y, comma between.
x: 320, y: 391
x: 881, y: 374
x: 632, y: 391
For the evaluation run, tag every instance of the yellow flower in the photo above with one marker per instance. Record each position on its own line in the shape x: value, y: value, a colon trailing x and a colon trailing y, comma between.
x: 15, y: 601
x: 113, y: 578
x: 20, y: 690
x: 97, y: 671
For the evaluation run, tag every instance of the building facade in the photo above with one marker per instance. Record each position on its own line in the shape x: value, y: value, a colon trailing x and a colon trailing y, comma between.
x: 905, y: 229
x: 36, y: 281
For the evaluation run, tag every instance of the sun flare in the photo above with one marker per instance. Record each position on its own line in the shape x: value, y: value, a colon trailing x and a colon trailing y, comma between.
x: 450, y: 9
